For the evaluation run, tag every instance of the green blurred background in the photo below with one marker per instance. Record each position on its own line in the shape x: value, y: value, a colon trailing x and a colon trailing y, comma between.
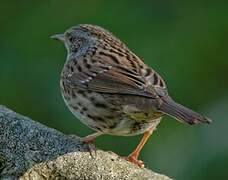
x: 186, y: 42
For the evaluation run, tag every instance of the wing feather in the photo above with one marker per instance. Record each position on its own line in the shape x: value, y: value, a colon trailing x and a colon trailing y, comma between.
x: 113, y: 78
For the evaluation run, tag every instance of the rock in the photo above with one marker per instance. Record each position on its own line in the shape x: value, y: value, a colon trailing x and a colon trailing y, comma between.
x: 30, y: 150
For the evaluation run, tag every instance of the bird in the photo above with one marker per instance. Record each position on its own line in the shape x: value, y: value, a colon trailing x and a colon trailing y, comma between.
x: 112, y: 91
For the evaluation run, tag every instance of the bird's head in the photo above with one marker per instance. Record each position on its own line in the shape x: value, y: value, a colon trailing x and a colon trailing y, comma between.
x: 78, y: 39
x: 81, y: 36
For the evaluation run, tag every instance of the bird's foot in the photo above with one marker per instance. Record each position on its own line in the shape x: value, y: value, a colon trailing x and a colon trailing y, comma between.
x: 90, y: 147
x: 134, y: 159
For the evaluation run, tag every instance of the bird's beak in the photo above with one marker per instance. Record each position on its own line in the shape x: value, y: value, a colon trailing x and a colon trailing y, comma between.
x: 59, y: 37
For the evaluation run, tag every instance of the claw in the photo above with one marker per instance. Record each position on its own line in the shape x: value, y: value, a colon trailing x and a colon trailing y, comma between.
x: 135, y: 161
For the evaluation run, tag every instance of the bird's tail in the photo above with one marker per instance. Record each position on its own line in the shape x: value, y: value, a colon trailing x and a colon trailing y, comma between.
x: 181, y: 113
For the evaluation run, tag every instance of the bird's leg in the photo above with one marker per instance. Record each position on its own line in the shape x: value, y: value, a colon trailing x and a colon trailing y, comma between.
x: 133, y: 157
x: 89, y: 139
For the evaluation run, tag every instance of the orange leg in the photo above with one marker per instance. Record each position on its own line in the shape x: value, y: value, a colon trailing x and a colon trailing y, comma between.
x: 89, y: 139
x: 133, y: 157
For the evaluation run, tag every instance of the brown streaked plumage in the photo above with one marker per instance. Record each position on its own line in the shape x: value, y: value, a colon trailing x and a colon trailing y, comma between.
x: 111, y: 90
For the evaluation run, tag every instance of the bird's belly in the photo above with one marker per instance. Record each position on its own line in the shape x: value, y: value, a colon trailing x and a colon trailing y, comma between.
x: 120, y: 125
x: 130, y: 127
x: 111, y: 117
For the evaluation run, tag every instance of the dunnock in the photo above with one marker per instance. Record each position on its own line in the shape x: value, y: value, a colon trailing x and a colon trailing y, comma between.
x: 111, y: 90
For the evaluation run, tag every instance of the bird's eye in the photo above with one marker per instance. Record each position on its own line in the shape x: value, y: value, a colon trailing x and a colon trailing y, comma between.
x: 71, y: 39
x: 76, y: 44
